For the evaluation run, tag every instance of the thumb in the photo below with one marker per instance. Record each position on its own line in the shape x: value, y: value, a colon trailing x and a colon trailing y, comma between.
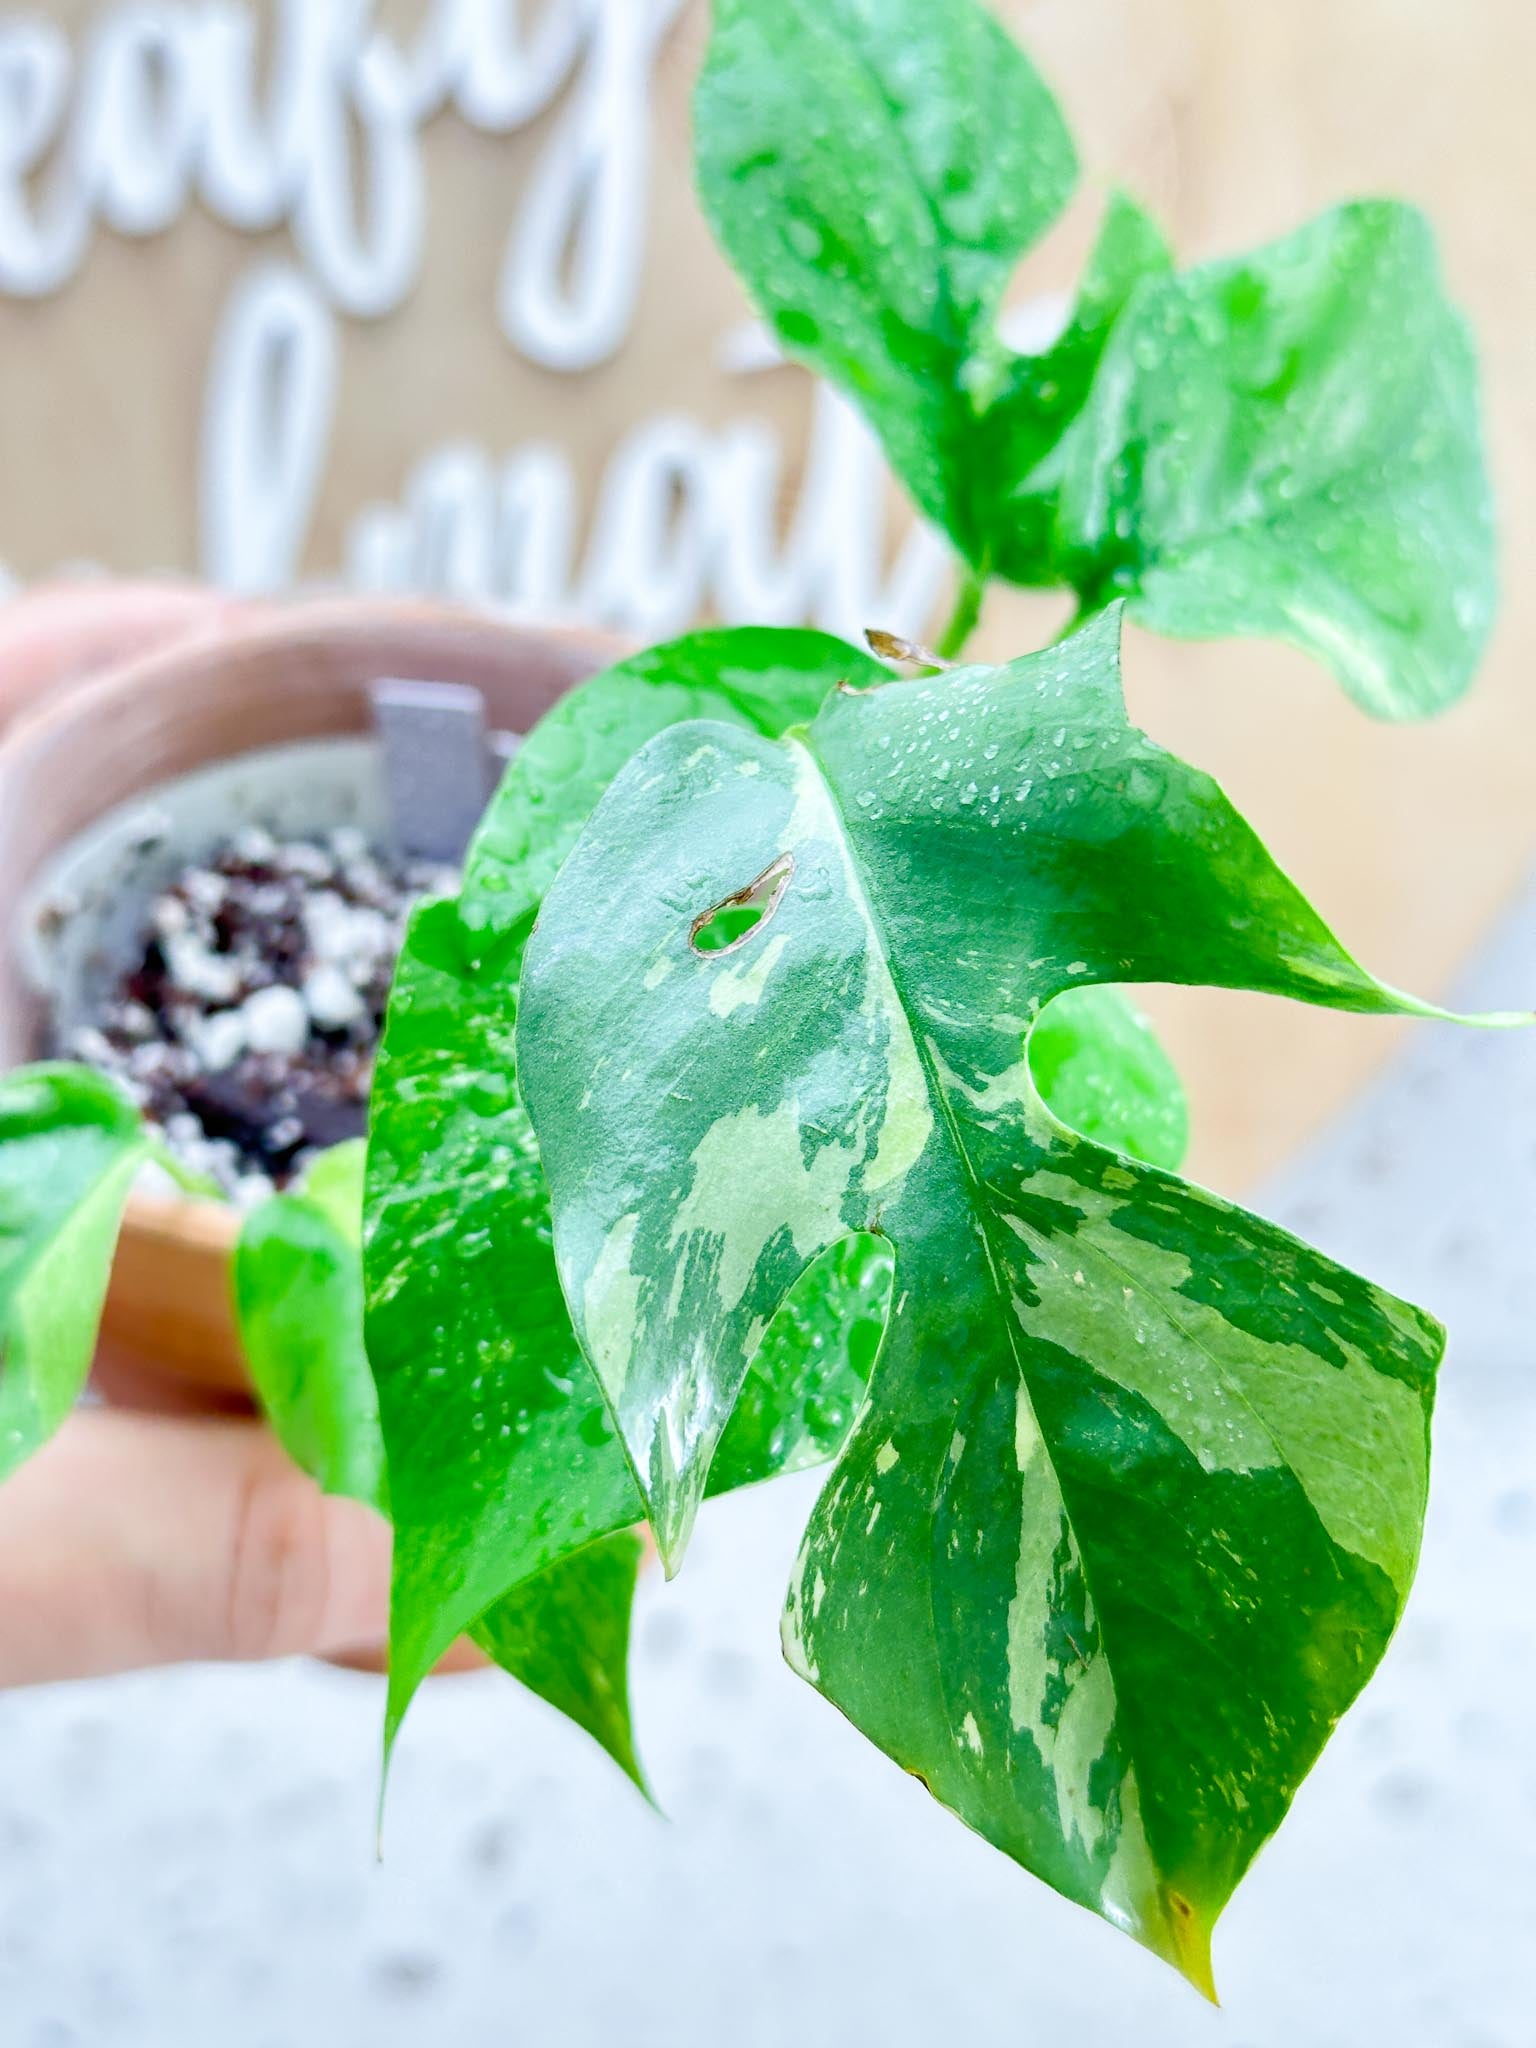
x: 133, y: 1540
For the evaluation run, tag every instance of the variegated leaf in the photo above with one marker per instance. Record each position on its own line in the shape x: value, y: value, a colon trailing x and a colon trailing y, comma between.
x: 501, y: 1455
x: 874, y: 173
x: 1289, y: 443
x: 1136, y: 1497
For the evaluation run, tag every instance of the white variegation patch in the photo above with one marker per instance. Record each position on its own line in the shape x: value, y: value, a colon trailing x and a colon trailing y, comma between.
x: 994, y: 1102
x: 760, y: 1156
x: 1353, y: 1436
x: 741, y: 985
x: 1067, y: 1708
x: 610, y: 1304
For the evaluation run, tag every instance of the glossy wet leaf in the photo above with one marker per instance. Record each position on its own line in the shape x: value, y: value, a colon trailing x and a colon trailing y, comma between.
x: 70, y: 1146
x: 1288, y: 443
x: 500, y: 1455
x: 1136, y: 1498
x: 299, y: 1300
x: 565, y: 1635
x: 1038, y: 397
x: 874, y: 173
x: 1101, y: 1068
x: 502, y: 1458
x: 298, y: 1285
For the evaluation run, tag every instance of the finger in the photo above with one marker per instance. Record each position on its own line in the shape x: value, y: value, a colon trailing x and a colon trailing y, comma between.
x: 464, y: 1655
x: 132, y: 1540
x: 64, y: 631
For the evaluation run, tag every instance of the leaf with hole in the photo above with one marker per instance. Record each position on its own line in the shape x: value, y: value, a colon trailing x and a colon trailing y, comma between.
x: 70, y: 1146
x: 502, y: 1459
x: 501, y: 1454
x: 1136, y: 1497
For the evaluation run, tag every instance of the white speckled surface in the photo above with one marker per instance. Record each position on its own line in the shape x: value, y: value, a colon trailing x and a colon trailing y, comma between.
x: 185, y: 1858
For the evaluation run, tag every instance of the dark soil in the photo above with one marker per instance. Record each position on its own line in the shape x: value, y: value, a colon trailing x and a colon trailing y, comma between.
x: 246, y: 1029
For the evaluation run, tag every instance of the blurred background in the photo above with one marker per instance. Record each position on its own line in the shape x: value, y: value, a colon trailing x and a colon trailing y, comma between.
x: 475, y: 342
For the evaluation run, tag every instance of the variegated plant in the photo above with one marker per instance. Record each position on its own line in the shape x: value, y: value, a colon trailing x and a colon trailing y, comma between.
x: 1131, y: 1504
x: 1135, y: 1500
x: 767, y: 1096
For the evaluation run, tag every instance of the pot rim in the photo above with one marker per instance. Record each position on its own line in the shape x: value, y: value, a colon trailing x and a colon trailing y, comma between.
x: 281, y: 628
x: 270, y: 633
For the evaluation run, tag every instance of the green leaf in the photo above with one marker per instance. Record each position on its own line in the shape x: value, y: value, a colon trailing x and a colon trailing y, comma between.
x: 299, y: 1299
x: 501, y: 1455
x: 1041, y: 395
x: 565, y: 1635
x: 70, y: 1146
x: 1136, y: 1498
x: 298, y: 1285
x: 1288, y: 443
x: 1100, y: 1067
x: 811, y: 1373
x: 874, y: 173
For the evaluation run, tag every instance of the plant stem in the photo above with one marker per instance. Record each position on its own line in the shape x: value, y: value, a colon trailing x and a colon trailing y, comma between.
x: 963, y: 619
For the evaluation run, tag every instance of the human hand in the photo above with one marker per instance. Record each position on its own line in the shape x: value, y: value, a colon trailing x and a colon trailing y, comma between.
x: 136, y: 1539
x: 60, y: 633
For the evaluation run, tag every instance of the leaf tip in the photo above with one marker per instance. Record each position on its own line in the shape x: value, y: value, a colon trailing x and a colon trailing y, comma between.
x: 634, y: 1770
x: 397, y: 1700
x: 673, y: 1503
x: 1189, y: 1948
x: 671, y: 1541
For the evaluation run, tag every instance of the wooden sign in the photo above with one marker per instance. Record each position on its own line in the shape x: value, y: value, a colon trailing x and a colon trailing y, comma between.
x: 418, y: 297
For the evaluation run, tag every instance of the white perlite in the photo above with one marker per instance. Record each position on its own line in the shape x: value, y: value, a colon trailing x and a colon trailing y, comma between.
x: 275, y: 1020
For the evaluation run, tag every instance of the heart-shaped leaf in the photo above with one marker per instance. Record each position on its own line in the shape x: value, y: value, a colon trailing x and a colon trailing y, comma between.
x: 1135, y: 1501
x: 1288, y: 443
x: 70, y: 1145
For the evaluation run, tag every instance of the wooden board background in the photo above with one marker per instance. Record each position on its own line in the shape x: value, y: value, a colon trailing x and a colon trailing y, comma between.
x: 1234, y: 120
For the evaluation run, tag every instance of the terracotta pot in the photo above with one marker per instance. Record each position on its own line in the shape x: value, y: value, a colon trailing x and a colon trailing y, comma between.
x: 301, y: 673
